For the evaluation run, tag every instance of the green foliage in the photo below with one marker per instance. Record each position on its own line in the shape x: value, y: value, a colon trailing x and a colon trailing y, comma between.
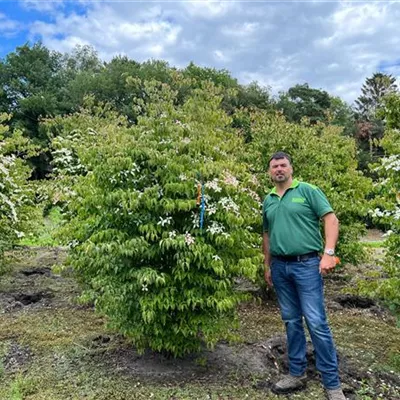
x: 390, y: 111
x: 374, y: 244
x: 33, y: 84
x: 301, y: 101
x: 321, y: 156
x: 387, y: 209
x: 44, y: 228
x: 37, y: 83
x: 373, y: 92
x: 134, y: 221
x: 370, y: 128
x: 15, y: 194
x: 341, y: 114
x: 21, y: 387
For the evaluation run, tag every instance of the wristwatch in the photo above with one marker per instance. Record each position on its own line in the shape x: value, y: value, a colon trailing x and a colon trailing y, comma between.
x: 330, y: 252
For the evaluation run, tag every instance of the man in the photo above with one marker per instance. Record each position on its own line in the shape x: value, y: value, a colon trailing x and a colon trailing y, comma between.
x: 291, y: 244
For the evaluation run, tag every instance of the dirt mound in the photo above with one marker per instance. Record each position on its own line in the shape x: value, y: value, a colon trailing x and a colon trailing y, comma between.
x: 352, y: 301
x: 226, y: 361
x: 36, y: 271
x: 32, y: 298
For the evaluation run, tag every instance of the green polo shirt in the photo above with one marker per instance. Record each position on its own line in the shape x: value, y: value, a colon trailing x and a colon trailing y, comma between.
x: 293, y: 220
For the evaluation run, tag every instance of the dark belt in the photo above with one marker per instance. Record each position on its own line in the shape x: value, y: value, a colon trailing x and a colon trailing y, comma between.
x: 302, y: 257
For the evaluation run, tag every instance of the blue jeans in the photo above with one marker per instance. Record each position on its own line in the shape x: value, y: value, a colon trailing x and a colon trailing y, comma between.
x: 299, y: 288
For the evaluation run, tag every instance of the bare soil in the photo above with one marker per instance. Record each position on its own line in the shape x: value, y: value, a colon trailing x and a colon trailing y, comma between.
x: 52, y: 347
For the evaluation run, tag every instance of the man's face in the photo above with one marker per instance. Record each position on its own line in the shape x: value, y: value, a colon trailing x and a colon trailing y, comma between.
x: 280, y: 170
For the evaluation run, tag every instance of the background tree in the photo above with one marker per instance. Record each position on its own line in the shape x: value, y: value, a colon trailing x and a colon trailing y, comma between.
x: 369, y: 127
x: 302, y: 101
x: 341, y: 114
x: 32, y: 88
x: 373, y: 91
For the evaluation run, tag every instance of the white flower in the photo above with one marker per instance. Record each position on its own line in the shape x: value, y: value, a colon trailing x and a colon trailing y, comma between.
x: 211, y: 209
x: 186, y: 140
x: 252, y: 193
x: 229, y: 205
x: 11, y: 206
x: 213, y: 185
x: 215, y: 228
x: 165, y: 141
x: 172, y: 234
x: 229, y: 179
x: 254, y: 180
x: 216, y: 257
x: 392, y: 162
x: 189, y: 239
x: 376, y: 213
x: 195, y: 220
x: 388, y: 233
x: 183, y: 177
x: 164, y: 221
x: 73, y: 244
x: 144, y: 288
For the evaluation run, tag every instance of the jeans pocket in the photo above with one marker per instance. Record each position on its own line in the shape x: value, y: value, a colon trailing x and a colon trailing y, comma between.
x: 311, y: 262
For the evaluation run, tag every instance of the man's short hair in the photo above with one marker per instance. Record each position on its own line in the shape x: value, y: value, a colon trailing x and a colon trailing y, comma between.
x: 278, y: 156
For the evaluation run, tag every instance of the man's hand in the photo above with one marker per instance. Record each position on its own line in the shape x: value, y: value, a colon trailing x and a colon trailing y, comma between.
x: 327, y: 264
x: 267, y: 277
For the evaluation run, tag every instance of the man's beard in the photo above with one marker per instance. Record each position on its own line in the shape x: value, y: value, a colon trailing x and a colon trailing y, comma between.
x: 281, y: 178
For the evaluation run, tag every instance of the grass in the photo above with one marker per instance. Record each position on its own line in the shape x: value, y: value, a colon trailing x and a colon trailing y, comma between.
x: 374, y: 244
x: 51, y: 329
x: 44, y: 233
x: 66, y: 362
x: 369, y: 341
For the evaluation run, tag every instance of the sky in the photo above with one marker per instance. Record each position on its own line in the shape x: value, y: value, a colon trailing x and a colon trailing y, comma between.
x: 331, y: 45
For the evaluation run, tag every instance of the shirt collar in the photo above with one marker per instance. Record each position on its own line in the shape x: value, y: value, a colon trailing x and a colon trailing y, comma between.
x: 294, y: 184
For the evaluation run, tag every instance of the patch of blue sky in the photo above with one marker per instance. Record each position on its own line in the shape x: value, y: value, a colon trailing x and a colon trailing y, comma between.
x: 25, y: 14
x: 386, y: 65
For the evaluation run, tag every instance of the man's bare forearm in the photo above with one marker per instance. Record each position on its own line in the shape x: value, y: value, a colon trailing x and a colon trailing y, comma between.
x: 267, y: 254
x: 331, y: 229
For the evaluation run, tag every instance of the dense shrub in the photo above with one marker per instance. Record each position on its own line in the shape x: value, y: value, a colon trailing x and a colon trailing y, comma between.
x: 386, y: 208
x: 135, y: 220
x: 16, y: 205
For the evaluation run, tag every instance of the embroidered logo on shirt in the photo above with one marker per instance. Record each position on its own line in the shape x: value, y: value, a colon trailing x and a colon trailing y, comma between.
x: 298, y: 200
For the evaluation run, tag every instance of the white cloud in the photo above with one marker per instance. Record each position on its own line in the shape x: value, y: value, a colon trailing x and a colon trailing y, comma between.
x: 110, y: 31
x: 220, y: 56
x: 330, y: 45
x: 208, y: 8
x: 9, y: 27
x: 360, y: 18
x: 355, y: 19
x: 241, y: 30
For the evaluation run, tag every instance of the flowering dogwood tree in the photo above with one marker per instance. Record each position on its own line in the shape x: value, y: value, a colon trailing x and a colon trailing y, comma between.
x: 164, y: 217
x: 387, y: 206
x: 15, y: 196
